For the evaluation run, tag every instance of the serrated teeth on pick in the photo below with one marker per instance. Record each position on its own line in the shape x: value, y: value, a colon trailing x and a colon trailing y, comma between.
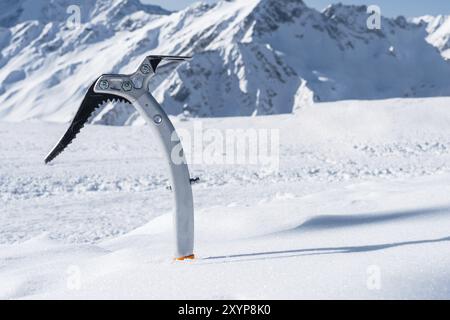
x: 114, y: 100
x: 90, y: 103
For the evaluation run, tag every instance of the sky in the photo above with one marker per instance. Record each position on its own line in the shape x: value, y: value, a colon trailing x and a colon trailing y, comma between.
x: 391, y: 8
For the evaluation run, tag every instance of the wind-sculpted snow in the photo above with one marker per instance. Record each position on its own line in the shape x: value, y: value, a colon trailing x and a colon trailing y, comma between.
x: 254, y: 57
x: 330, y: 143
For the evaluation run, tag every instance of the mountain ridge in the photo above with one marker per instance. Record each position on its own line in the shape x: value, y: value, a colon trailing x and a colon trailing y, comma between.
x: 14, y: 12
x: 254, y: 57
x: 438, y: 28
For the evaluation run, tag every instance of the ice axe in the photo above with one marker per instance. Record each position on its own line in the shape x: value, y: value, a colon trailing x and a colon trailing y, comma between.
x: 134, y: 90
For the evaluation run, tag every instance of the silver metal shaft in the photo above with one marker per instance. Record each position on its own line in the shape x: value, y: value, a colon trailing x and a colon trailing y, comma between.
x: 155, y: 116
x: 134, y: 88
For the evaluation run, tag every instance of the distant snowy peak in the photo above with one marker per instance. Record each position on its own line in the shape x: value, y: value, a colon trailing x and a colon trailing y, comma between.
x: 269, y: 15
x: 352, y: 16
x: 438, y: 28
x: 432, y: 22
x: 13, y: 12
x: 250, y: 57
x: 283, y: 50
x: 355, y: 17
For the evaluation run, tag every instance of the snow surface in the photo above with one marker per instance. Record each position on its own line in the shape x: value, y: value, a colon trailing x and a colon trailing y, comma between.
x: 362, y: 192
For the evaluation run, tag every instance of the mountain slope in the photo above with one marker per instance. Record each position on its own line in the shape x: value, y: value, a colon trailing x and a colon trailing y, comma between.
x: 439, y: 32
x: 13, y: 12
x: 252, y: 57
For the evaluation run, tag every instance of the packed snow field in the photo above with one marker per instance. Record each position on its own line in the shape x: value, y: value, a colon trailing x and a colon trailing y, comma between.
x: 359, y: 208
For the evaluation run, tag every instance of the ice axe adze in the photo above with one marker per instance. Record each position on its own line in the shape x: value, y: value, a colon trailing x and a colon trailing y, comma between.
x: 134, y: 90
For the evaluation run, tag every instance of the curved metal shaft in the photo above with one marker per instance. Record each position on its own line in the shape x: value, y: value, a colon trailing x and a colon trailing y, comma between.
x: 155, y: 116
x: 134, y: 88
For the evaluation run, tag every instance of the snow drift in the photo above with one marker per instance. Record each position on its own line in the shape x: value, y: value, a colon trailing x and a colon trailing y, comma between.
x: 351, y: 199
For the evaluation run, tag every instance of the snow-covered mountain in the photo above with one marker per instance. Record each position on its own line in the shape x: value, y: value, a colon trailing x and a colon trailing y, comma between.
x: 439, y: 32
x: 250, y: 57
x: 13, y: 12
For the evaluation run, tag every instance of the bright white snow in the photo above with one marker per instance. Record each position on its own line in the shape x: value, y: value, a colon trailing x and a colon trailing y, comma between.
x: 360, y: 208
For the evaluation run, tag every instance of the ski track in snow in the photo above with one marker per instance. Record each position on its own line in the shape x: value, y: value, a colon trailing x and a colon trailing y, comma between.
x: 362, y: 186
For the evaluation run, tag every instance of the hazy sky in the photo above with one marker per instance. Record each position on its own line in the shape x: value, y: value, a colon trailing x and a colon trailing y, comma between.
x: 388, y: 7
